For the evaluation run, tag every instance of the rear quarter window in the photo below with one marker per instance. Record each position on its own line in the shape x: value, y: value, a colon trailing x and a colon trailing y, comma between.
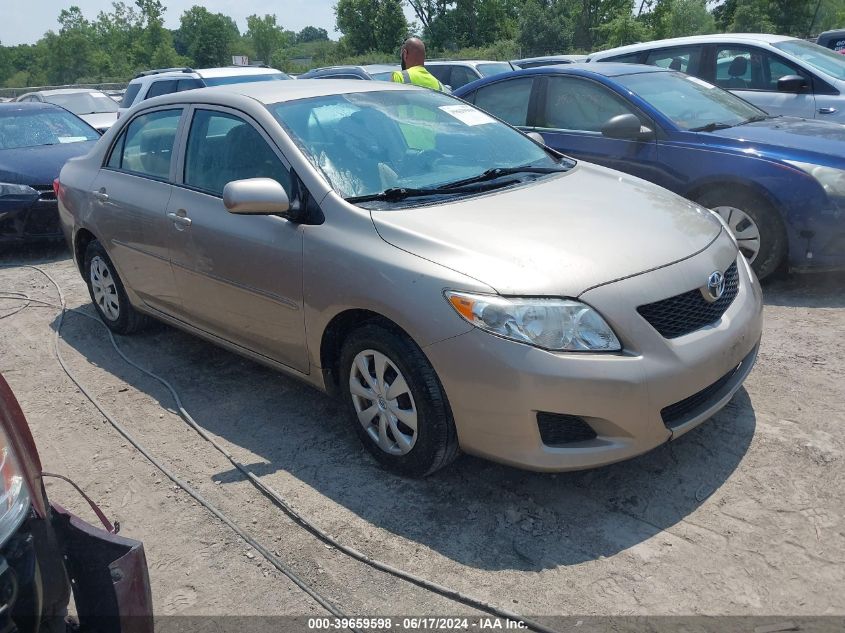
x: 129, y: 95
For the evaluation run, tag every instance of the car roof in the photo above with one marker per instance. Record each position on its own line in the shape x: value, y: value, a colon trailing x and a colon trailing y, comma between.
x: 24, y: 106
x: 268, y: 92
x: 729, y: 38
x: 542, y: 58
x: 468, y: 62
x: 224, y: 71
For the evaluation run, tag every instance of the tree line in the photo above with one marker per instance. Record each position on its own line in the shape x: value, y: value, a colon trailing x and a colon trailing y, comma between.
x: 131, y: 36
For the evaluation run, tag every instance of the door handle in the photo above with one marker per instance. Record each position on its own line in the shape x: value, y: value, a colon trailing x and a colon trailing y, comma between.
x: 827, y: 110
x: 181, y: 220
x: 101, y: 195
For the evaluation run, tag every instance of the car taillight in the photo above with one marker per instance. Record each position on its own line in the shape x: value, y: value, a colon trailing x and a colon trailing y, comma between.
x: 56, y: 187
x: 14, y: 496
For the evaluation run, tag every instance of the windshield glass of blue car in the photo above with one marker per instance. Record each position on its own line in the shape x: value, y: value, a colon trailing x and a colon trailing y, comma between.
x: 690, y: 103
x: 819, y: 57
x: 46, y: 127
x: 410, y: 141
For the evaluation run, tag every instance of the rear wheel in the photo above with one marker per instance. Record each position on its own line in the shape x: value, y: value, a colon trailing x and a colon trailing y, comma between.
x: 396, y: 403
x: 757, y: 226
x: 107, y: 292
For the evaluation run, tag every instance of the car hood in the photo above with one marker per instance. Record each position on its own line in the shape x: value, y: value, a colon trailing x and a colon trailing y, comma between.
x: 100, y: 120
x: 556, y: 237
x: 39, y: 165
x: 819, y: 137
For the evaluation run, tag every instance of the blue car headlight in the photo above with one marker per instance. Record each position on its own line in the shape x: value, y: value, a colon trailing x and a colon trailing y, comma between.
x: 10, y: 192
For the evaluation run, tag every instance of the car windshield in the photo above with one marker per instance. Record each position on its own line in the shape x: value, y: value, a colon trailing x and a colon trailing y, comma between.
x: 44, y: 127
x: 369, y: 142
x: 688, y: 101
x: 828, y: 61
x: 488, y: 70
x: 243, y: 79
x: 84, y: 102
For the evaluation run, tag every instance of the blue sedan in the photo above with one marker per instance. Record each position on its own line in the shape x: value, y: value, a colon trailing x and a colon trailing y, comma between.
x: 777, y: 182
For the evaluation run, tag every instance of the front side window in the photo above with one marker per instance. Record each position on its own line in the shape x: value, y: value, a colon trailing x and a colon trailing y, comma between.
x: 630, y: 58
x: 581, y: 105
x: 129, y: 95
x: 688, y: 101
x: 49, y: 126
x: 685, y: 59
x: 441, y: 73
x: 461, y: 76
x: 751, y: 69
x: 146, y: 145
x: 222, y: 148
x: 497, y: 68
x: 365, y: 143
x: 507, y: 100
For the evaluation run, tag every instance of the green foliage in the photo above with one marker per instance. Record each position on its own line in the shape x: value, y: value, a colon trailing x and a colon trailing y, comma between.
x: 267, y: 37
x: 209, y: 38
x: 312, y: 34
x: 371, y: 25
x: 545, y: 29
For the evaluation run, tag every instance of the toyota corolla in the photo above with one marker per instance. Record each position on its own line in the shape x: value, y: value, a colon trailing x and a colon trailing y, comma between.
x: 459, y: 286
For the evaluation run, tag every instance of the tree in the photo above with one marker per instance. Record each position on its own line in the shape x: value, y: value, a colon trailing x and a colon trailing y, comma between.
x: 752, y: 16
x: 371, y: 25
x: 312, y: 34
x: 543, y: 29
x: 266, y: 36
x: 208, y: 37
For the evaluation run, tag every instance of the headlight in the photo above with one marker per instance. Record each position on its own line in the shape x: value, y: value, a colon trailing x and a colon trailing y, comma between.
x: 553, y: 324
x: 12, y: 192
x: 830, y: 178
x: 14, y: 496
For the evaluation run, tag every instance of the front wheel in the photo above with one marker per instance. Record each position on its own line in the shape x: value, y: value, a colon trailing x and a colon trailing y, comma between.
x: 396, y: 402
x: 755, y: 224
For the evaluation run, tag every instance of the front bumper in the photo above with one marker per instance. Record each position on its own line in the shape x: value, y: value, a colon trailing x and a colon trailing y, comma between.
x: 497, y: 387
x: 34, y: 222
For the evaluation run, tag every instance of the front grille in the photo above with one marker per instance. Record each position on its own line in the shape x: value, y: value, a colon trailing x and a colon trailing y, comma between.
x: 46, y: 192
x: 690, y: 311
x: 676, y: 414
x: 557, y: 429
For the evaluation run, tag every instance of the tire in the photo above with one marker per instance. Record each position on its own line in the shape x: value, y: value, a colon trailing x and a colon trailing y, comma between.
x: 416, y: 453
x: 107, y: 292
x: 772, y: 246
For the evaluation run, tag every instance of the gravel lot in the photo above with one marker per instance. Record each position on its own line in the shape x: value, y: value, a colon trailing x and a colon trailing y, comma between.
x: 743, y: 516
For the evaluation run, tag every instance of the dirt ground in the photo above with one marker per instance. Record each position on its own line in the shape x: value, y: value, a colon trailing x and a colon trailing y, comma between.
x: 743, y: 516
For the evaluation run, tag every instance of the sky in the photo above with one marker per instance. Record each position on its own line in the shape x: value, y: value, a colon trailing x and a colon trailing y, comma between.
x: 25, y: 21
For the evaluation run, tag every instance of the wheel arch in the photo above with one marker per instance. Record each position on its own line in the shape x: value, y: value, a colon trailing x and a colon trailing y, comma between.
x: 700, y: 187
x: 336, y: 332
x: 81, y: 241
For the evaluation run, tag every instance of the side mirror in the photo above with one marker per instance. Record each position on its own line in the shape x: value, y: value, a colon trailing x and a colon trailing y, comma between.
x: 536, y: 136
x: 791, y: 83
x: 626, y: 127
x: 256, y: 196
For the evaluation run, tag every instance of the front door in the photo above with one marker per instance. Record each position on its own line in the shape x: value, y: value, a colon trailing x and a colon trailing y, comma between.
x: 239, y: 276
x: 570, y: 115
x: 132, y: 192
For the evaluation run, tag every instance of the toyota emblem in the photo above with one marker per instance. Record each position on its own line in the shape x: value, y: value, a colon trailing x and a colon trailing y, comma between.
x: 715, y: 285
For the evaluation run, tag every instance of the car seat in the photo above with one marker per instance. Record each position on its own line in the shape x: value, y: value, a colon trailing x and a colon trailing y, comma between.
x: 738, y: 68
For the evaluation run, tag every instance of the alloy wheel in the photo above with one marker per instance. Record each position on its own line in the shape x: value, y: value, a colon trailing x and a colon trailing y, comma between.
x: 104, y: 289
x: 744, y: 229
x: 383, y: 402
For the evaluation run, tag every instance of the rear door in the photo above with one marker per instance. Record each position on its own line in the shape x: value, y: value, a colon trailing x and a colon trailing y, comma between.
x: 239, y: 276
x: 130, y: 197
x: 752, y: 73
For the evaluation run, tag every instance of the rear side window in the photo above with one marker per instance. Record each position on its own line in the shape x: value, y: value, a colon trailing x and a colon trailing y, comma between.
x: 189, y: 84
x: 441, y: 73
x: 146, y: 146
x: 507, y: 100
x: 630, y: 58
x: 222, y: 148
x: 686, y: 60
x: 129, y: 95
x: 164, y: 87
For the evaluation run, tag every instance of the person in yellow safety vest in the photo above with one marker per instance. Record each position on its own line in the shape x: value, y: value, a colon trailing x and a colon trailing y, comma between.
x: 413, y: 71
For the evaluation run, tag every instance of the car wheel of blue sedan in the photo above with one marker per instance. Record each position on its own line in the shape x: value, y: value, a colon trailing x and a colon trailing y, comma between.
x: 757, y: 227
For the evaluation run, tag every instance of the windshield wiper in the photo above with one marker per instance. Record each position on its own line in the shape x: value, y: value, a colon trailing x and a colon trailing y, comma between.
x: 498, y: 172
x: 395, y: 194
x: 711, y: 127
x: 758, y: 118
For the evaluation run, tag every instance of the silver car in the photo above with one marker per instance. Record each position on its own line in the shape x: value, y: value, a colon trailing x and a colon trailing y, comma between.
x: 459, y: 286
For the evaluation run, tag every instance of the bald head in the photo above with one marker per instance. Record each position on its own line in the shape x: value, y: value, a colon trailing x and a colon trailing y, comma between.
x: 413, y: 52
